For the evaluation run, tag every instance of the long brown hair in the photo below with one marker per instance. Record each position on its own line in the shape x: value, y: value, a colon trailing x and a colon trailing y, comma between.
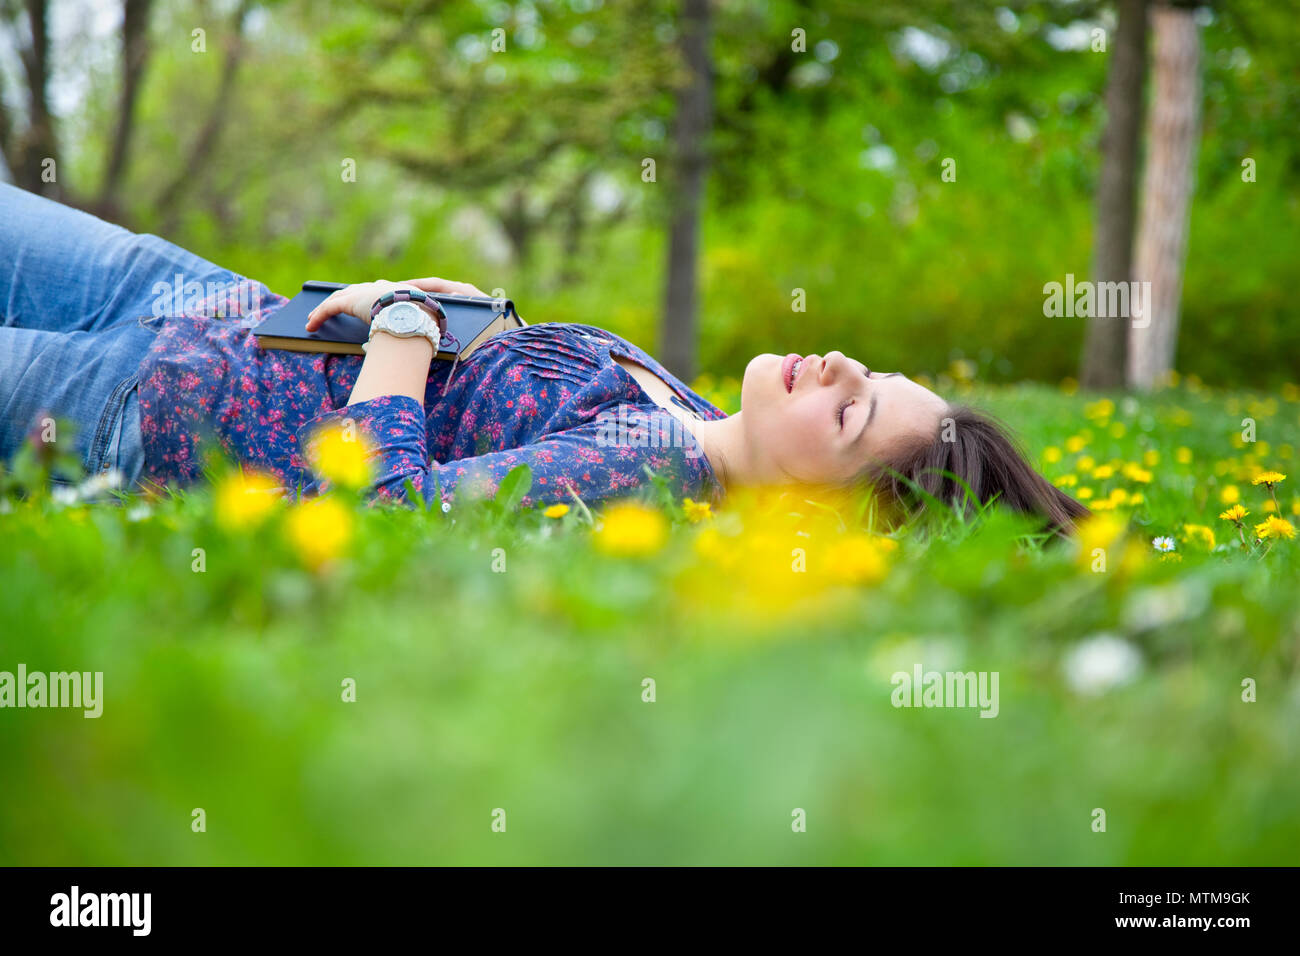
x: 969, y: 450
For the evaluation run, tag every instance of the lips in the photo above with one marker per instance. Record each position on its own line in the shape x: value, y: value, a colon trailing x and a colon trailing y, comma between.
x: 788, y: 369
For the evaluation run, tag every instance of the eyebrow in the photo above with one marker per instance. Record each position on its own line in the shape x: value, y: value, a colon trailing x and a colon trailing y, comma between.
x: 871, y: 412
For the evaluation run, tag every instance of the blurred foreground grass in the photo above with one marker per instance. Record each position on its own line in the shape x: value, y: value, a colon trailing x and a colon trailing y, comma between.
x: 514, y: 678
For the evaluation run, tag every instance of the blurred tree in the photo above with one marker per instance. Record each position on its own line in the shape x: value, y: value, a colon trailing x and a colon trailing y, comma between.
x: 692, y: 123
x: 135, y: 51
x: 188, y: 175
x: 29, y: 153
x: 1168, y: 186
x: 824, y: 161
x: 518, y: 112
x: 1106, y: 344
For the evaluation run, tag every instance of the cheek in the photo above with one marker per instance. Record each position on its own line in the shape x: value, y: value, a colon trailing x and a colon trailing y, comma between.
x: 800, y: 435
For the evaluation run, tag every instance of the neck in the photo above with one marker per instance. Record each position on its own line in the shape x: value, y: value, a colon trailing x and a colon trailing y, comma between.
x: 724, y: 446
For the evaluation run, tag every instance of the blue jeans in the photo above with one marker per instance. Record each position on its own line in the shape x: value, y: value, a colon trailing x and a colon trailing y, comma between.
x: 77, y: 316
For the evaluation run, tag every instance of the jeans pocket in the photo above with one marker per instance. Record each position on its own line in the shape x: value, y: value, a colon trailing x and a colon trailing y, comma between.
x: 103, y: 449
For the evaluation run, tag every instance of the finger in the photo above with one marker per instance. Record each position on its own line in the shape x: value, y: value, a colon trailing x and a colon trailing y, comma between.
x: 446, y: 287
x: 331, y: 306
x: 433, y: 284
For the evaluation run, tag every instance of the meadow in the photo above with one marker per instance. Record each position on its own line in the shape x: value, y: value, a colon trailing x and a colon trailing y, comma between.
x: 659, y: 682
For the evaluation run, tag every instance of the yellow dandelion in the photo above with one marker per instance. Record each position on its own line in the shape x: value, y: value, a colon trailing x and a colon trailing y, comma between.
x: 1075, y: 443
x: 244, y: 499
x: 1270, y: 506
x: 1135, y: 472
x: 1275, y: 527
x: 1235, y: 513
x: 341, y: 453
x: 1199, y: 534
x: 1098, y: 532
x: 1183, y: 455
x: 710, y: 544
x: 1051, y: 454
x: 1086, y: 463
x: 629, y: 529
x: 1230, y: 495
x: 1083, y: 494
x: 1102, y: 472
x: 1118, y: 496
x: 1151, y: 458
x: 1269, y: 478
x: 696, y: 511
x: 1102, y: 408
x: 962, y: 370
x: 320, y: 530
x: 1136, y: 498
x: 1066, y: 481
x: 556, y: 511
x: 855, y: 559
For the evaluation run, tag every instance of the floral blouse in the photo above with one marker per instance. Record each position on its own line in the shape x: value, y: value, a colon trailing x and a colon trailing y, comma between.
x: 550, y: 396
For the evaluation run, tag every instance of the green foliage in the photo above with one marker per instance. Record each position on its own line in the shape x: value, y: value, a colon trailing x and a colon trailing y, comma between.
x: 482, y: 684
x: 826, y: 171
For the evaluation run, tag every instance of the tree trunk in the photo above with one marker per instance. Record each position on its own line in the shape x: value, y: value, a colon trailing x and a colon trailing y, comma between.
x: 135, y: 50
x: 38, y: 143
x: 196, y: 163
x: 1104, y: 352
x: 691, y: 127
x: 517, y: 223
x: 1166, y: 194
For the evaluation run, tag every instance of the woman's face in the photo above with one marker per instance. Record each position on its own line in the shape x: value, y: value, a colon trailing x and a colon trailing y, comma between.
x: 821, y: 419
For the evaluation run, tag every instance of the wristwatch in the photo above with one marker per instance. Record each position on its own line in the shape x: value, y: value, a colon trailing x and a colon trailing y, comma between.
x: 407, y: 313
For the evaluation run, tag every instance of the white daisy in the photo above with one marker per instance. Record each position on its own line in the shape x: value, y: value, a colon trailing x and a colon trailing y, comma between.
x: 1101, y: 662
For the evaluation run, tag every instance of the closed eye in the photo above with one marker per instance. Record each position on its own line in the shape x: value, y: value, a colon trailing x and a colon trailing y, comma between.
x: 839, y: 414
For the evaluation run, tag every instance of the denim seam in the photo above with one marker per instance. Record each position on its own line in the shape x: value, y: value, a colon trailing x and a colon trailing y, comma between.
x: 112, y: 409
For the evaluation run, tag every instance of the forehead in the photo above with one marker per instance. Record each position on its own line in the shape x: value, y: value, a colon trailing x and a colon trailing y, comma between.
x: 906, y: 407
x: 901, y: 386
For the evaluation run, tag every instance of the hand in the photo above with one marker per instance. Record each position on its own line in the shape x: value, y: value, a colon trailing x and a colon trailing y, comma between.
x: 358, y: 299
x: 355, y: 300
x: 446, y: 287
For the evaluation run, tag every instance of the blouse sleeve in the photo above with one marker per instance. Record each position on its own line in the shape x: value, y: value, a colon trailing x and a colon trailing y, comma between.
x: 576, y: 459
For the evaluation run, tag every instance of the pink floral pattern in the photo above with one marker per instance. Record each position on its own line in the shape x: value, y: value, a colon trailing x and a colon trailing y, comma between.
x: 543, y: 395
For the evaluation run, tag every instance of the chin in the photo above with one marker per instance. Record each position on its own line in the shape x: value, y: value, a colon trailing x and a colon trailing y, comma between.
x: 751, y: 388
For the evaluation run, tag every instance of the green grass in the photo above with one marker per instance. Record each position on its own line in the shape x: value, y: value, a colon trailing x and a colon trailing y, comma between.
x: 522, y: 689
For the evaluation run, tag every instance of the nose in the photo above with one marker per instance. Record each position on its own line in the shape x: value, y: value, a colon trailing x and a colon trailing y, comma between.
x: 833, y: 363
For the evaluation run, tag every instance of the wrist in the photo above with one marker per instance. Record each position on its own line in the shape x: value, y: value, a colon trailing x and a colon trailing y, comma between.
x: 407, y: 313
x: 385, y: 343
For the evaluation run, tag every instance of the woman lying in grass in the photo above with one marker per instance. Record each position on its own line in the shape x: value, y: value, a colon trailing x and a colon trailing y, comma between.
x: 587, y: 411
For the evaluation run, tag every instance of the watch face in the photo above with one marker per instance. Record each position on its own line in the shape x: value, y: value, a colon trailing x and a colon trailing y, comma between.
x: 402, y: 317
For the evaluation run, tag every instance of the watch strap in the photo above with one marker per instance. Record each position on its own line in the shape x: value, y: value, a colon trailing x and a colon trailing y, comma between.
x: 446, y: 340
x: 421, y: 298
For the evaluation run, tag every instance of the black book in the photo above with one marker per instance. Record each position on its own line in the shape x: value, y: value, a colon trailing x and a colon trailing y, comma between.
x: 472, y: 320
